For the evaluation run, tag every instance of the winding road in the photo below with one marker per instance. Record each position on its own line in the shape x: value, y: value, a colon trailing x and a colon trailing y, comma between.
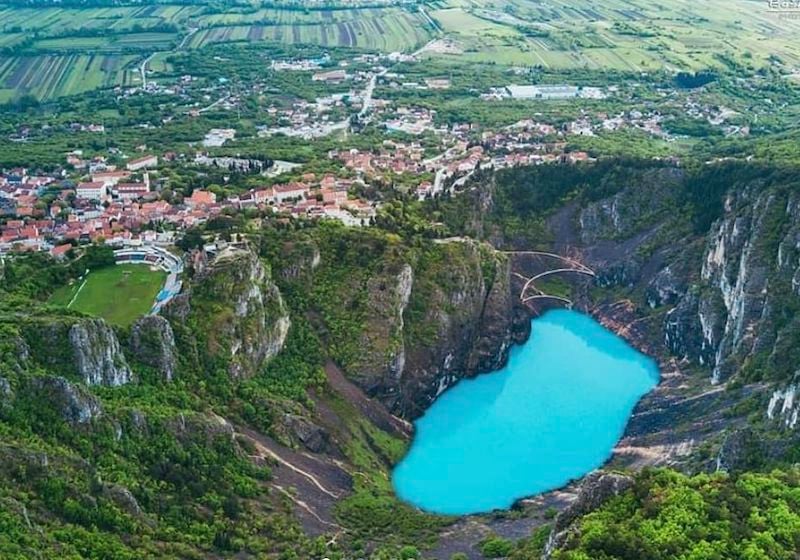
x: 146, y: 61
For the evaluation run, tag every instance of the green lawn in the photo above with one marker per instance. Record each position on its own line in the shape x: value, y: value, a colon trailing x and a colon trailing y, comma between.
x: 120, y: 294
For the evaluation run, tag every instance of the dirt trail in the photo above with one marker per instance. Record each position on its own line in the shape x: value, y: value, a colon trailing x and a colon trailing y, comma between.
x: 313, y: 483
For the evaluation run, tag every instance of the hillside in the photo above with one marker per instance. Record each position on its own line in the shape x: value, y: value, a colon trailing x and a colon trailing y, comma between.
x: 267, y: 403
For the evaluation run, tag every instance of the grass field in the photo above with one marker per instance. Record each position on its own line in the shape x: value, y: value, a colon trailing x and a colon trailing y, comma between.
x: 120, y: 294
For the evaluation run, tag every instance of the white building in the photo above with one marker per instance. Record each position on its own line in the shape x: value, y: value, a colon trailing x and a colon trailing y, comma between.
x: 289, y: 192
x: 131, y: 191
x: 142, y: 163
x: 554, y: 92
x: 542, y: 92
x: 110, y: 178
x: 91, y: 191
x: 218, y: 136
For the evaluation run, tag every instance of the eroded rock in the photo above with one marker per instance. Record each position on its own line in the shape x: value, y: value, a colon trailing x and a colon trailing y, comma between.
x: 312, y: 436
x: 74, y: 403
x: 152, y: 342
x: 238, y: 312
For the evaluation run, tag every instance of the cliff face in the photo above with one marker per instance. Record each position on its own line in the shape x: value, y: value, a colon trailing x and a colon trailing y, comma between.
x: 404, y: 322
x: 235, y: 313
x: 596, y: 489
x: 98, y: 356
x: 85, y: 348
x: 460, y: 324
x: 750, y: 261
x: 726, y: 290
x: 716, y: 302
x: 75, y: 404
x: 734, y: 306
x: 382, y: 359
x: 449, y: 316
x: 152, y: 342
x: 622, y: 215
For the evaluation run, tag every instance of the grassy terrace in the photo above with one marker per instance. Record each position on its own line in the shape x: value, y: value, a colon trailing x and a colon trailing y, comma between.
x: 120, y: 294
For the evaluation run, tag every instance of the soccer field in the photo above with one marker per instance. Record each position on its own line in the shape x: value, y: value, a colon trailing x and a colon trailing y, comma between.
x: 120, y: 294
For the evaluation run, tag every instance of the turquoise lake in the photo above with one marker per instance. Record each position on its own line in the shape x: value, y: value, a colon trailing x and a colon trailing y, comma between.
x: 553, y: 414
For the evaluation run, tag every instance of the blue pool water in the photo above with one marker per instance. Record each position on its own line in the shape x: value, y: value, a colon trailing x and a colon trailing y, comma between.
x: 553, y: 414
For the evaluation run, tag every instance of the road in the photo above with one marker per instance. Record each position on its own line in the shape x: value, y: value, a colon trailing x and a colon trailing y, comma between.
x: 367, y: 99
x: 143, y: 66
x: 430, y: 19
x: 368, y: 93
x: 211, y: 106
x: 143, y: 69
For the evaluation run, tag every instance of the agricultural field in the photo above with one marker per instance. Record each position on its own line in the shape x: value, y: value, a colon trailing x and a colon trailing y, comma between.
x: 111, y: 43
x: 392, y: 31
x: 54, y: 52
x: 633, y: 36
x: 57, y: 21
x: 46, y: 51
x: 99, y: 294
x: 47, y: 77
x: 272, y: 16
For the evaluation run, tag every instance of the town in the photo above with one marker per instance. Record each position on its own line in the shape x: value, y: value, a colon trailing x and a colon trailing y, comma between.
x: 118, y: 198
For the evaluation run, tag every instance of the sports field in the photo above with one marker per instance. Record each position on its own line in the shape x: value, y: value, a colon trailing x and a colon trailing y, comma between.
x: 120, y: 294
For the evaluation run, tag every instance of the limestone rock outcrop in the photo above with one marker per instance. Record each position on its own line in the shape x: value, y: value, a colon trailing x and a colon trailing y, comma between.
x: 459, y: 322
x: 74, y: 404
x: 235, y: 313
x: 152, y: 342
x: 84, y: 348
x: 98, y: 355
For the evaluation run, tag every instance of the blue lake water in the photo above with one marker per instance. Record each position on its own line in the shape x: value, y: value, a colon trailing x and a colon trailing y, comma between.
x: 553, y: 414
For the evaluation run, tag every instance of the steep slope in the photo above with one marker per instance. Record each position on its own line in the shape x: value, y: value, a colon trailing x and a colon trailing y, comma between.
x: 220, y: 428
x: 404, y: 322
x: 697, y: 266
x: 233, y: 314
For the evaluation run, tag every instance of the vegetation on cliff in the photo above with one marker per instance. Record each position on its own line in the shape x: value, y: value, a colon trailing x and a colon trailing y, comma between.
x: 667, y: 515
x: 149, y: 440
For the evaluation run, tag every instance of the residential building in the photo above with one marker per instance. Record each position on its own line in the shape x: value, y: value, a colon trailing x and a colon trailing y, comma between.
x: 142, y: 163
x: 91, y: 191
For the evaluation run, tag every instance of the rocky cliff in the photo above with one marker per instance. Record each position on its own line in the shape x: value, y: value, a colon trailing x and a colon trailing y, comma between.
x: 152, y: 342
x: 725, y: 290
x: 710, y: 276
x: 750, y: 269
x: 597, y: 488
x: 404, y: 321
x: 461, y: 323
x: 430, y: 317
x: 698, y: 266
x: 232, y: 314
x: 72, y: 402
x: 87, y: 349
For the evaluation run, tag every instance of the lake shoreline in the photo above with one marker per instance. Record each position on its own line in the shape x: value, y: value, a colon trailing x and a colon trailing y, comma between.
x: 553, y: 414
